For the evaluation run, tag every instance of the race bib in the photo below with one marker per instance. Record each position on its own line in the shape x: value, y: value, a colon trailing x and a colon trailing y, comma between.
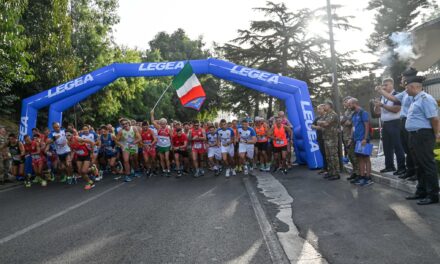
x: 279, y: 142
x: 261, y: 138
x: 198, y: 145
x: 16, y: 158
x: 35, y: 156
x: 147, y: 142
x: 80, y: 152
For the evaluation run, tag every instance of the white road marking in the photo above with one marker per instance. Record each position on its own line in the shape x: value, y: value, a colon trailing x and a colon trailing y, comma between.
x: 297, y: 249
x: 273, y: 245
x: 52, y: 217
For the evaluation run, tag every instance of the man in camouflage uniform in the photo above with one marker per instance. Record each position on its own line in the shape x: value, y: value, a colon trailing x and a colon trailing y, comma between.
x: 347, y: 133
x: 3, y: 155
x: 330, y: 127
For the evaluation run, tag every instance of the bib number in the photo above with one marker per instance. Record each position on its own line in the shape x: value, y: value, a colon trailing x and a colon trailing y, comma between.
x: 198, y: 145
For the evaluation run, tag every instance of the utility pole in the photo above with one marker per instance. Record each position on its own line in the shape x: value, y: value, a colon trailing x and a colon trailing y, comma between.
x: 335, y: 89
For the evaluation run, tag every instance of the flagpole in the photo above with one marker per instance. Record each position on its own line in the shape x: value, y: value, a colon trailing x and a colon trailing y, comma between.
x: 162, y: 96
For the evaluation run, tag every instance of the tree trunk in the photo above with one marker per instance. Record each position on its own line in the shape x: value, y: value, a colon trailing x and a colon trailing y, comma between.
x: 257, y: 105
x: 269, y: 109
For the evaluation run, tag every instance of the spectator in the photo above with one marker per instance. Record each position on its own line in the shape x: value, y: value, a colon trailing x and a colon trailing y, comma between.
x: 361, y: 127
x: 347, y: 133
x: 319, y: 117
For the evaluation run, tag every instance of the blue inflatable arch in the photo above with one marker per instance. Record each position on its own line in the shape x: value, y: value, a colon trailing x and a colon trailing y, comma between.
x: 294, y: 93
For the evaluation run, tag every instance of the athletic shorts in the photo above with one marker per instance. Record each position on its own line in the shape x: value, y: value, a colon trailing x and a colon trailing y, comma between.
x: 279, y: 149
x: 261, y: 146
x: 37, y: 160
x: 149, y: 152
x: 214, y: 152
x: 131, y: 150
x: 17, y: 162
x: 63, y: 156
x: 246, y: 148
x: 227, y: 149
x: 163, y: 149
x: 198, y: 147
x: 183, y: 153
x: 82, y: 158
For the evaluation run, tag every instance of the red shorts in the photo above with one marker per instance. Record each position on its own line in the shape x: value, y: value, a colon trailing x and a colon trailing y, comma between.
x: 36, y: 162
x: 150, y: 152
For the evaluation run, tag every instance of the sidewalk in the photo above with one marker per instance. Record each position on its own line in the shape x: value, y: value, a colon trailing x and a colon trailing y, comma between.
x: 378, y: 163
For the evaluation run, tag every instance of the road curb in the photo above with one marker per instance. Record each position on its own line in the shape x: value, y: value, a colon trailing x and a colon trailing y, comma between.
x: 391, y: 181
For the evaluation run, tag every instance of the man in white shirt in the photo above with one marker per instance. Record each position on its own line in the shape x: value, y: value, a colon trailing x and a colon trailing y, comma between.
x: 390, y: 116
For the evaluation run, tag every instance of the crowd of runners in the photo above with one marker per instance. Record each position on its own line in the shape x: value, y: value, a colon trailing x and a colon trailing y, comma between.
x: 150, y: 148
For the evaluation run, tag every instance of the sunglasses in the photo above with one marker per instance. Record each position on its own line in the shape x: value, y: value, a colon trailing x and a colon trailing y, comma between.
x: 68, y: 135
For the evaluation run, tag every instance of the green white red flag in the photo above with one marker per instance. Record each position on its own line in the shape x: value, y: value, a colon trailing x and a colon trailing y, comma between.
x: 188, y: 88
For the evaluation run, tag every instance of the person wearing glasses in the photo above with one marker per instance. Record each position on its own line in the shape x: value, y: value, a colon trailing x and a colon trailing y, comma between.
x: 128, y: 138
x: 83, y: 160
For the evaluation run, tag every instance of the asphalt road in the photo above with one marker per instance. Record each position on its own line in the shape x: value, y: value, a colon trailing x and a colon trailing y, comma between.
x: 212, y: 220
x: 372, y: 224
x: 158, y: 220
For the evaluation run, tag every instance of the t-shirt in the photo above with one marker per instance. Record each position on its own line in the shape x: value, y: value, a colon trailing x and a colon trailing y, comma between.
x: 226, y: 135
x: 179, y: 141
x: 358, y: 120
x: 247, y: 134
x: 212, y: 139
x: 61, y: 146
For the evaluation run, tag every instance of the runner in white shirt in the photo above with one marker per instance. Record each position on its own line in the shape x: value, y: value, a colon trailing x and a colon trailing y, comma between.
x: 58, y: 138
x: 247, y: 140
x: 214, y: 153
x: 128, y: 138
x: 226, y: 142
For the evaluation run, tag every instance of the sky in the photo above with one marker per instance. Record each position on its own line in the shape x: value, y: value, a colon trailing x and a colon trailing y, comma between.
x: 141, y: 20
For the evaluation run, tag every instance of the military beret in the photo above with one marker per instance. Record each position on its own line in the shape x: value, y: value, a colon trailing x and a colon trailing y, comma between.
x: 409, y: 72
x: 414, y: 79
x: 328, y: 102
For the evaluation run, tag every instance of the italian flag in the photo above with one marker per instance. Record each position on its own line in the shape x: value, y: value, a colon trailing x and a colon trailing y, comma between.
x: 188, y: 88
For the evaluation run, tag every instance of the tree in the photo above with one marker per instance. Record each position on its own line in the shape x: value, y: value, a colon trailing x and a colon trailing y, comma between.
x: 282, y: 44
x: 393, y: 16
x: 14, y: 57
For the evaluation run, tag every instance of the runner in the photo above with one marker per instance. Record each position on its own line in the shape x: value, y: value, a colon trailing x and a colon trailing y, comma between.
x: 247, y: 139
x: 214, y: 153
x: 128, y: 139
x: 148, y: 147
x: 279, y: 133
x: 236, y: 159
x: 197, y: 136
x: 16, y: 149
x: 261, y: 129
x: 58, y: 138
x: 107, y: 148
x: 163, y: 143
x: 287, y: 123
x: 89, y: 134
x: 33, y: 148
x: 226, y: 140
x: 81, y: 148
x: 180, y: 143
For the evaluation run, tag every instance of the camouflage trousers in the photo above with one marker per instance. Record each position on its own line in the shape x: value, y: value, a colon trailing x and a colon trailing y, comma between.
x: 332, y: 156
x: 352, y: 156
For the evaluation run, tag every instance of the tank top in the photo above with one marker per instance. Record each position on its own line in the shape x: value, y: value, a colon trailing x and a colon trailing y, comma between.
x: 108, y: 143
x: 198, y: 143
x: 15, y: 152
x: 147, y: 138
x: 163, y: 138
x: 32, y: 150
x: 128, y: 137
x: 261, y: 133
x: 80, y: 149
x: 280, y: 139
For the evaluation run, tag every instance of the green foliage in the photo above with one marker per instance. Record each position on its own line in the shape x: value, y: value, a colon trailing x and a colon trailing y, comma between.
x: 282, y: 44
x: 393, y: 16
x: 14, y: 67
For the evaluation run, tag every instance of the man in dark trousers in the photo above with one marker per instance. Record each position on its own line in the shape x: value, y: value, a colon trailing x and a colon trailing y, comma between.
x: 424, y: 127
x: 390, y: 116
x: 405, y: 101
